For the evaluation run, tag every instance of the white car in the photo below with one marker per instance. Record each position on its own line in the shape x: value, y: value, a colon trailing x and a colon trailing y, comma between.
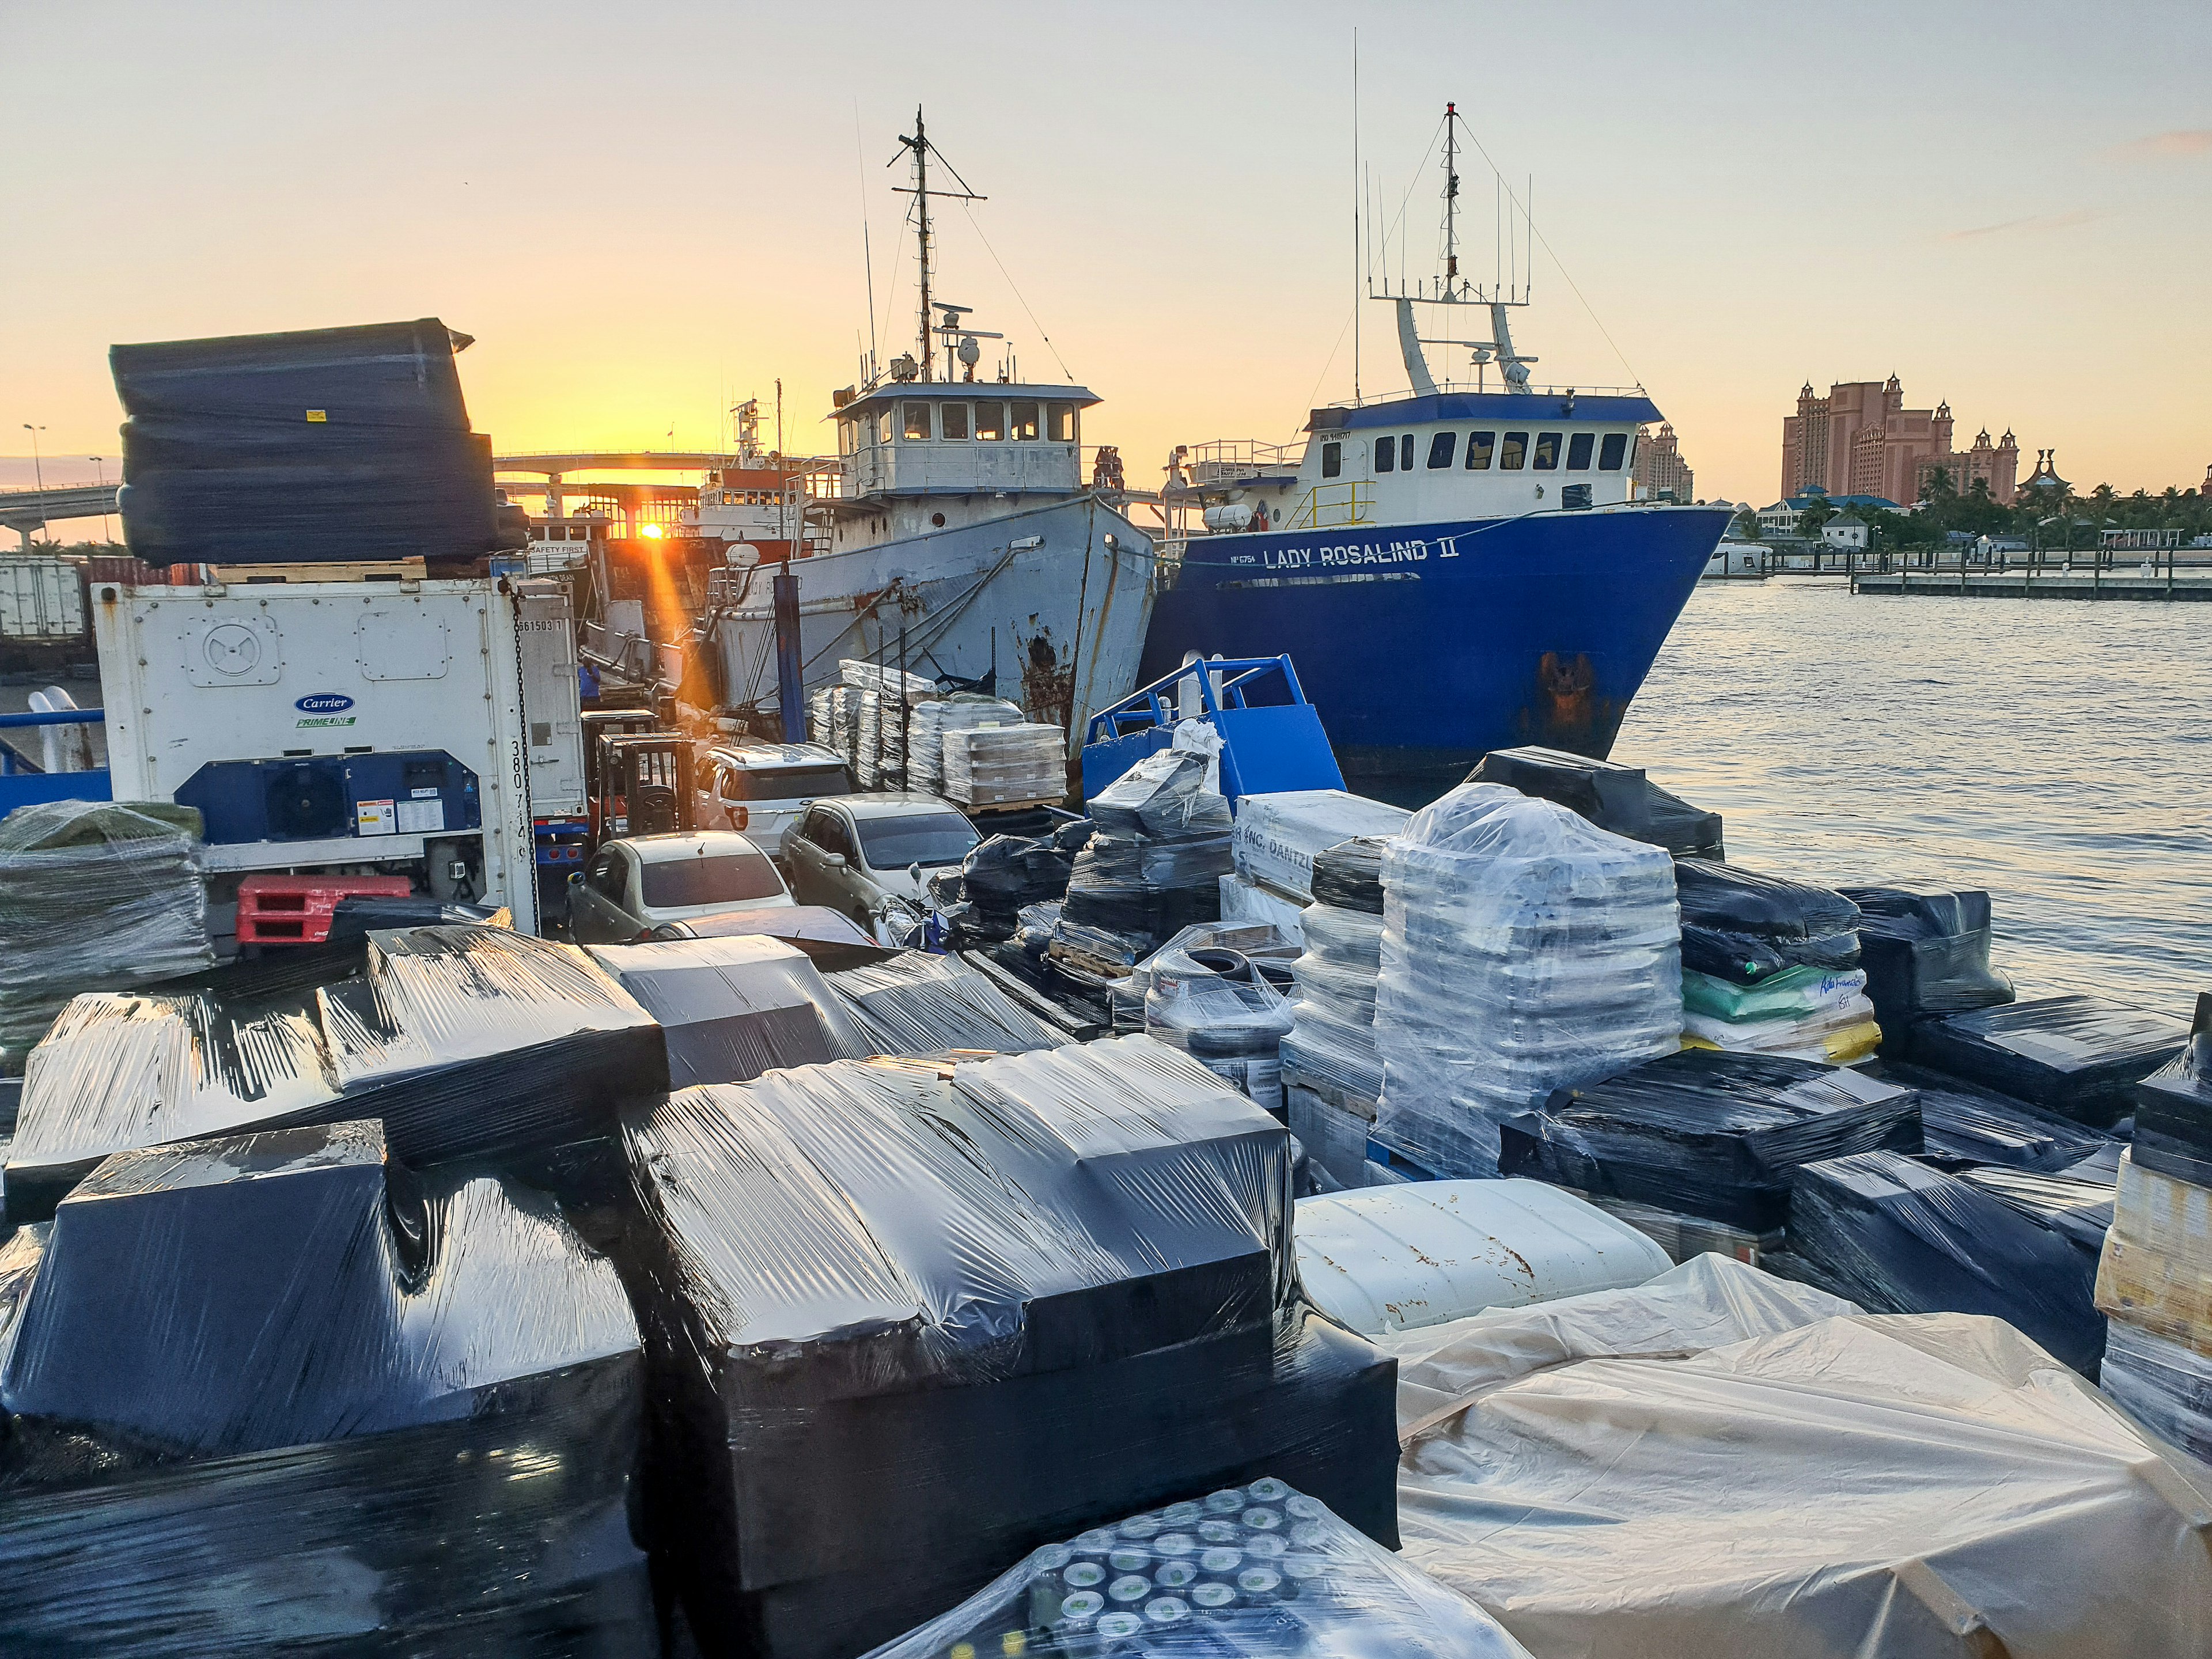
x: 762, y: 788
x: 645, y: 882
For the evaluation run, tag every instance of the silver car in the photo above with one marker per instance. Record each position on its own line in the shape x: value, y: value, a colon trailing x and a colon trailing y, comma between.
x: 862, y: 853
x: 644, y: 881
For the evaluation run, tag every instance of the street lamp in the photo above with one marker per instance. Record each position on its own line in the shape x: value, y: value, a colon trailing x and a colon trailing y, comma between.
x: 39, y: 472
x: 99, y: 465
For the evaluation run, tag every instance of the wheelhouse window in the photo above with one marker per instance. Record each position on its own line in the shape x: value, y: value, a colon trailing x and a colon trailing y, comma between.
x: 1578, y: 451
x: 1405, y: 453
x: 1440, y: 450
x: 1059, y: 422
x: 1386, y: 454
x: 1332, y: 460
x: 1514, y: 453
x: 917, y: 420
x: 1611, y: 451
x: 881, y: 426
x: 990, y: 421
x: 1547, y: 451
x: 953, y: 422
x: 1479, y: 448
x: 848, y: 437
x: 1025, y: 422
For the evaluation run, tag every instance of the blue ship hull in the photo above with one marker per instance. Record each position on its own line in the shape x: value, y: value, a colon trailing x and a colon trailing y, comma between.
x: 1425, y: 645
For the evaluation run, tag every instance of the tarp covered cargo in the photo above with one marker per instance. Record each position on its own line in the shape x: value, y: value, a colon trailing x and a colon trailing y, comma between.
x: 2078, y: 1055
x: 910, y: 1319
x: 321, y: 445
x: 1720, y: 1465
x: 267, y: 1394
x: 465, y: 1041
x: 730, y: 1009
x: 1257, y: 1571
x: 1719, y: 1135
x: 1524, y: 950
x: 1897, y: 1237
x: 1613, y: 797
x: 95, y: 896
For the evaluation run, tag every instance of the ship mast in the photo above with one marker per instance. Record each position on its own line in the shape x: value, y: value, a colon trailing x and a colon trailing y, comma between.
x: 920, y: 147
x: 1451, y: 199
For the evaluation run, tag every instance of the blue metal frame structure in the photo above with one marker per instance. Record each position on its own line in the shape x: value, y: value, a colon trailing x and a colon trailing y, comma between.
x: 21, y: 788
x: 1265, y: 747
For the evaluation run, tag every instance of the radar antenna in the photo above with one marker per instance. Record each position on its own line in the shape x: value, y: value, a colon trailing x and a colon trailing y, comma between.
x: 920, y: 148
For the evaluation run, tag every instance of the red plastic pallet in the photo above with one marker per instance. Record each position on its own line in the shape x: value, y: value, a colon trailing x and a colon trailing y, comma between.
x: 297, y: 909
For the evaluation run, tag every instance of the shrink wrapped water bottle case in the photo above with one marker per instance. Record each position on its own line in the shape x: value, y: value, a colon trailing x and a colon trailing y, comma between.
x: 1259, y: 1571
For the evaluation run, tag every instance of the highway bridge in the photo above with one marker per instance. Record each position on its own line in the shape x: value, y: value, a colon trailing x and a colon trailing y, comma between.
x: 26, y: 510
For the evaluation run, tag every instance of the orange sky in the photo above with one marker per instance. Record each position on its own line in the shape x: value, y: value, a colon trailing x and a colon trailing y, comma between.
x: 645, y: 215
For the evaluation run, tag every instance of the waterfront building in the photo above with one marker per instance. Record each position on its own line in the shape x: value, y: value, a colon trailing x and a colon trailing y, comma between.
x: 1847, y: 530
x: 1861, y: 440
x: 1662, y: 474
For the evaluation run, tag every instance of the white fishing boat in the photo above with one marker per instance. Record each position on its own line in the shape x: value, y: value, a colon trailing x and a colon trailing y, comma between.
x: 958, y: 538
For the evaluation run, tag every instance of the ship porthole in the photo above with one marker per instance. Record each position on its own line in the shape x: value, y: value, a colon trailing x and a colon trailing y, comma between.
x: 938, y: 518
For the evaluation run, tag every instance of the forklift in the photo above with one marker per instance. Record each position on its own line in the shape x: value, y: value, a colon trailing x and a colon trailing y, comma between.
x: 642, y: 785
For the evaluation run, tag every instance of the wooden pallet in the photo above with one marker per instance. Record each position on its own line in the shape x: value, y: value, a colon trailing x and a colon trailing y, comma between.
x: 367, y: 570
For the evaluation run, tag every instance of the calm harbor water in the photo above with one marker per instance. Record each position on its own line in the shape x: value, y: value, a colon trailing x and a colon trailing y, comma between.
x: 2057, y: 754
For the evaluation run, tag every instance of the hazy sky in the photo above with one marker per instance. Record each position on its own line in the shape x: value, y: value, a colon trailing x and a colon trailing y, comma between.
x: 646, y: 212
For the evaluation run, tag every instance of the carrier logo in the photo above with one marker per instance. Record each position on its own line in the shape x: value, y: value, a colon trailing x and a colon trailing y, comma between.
x: 323, y: 709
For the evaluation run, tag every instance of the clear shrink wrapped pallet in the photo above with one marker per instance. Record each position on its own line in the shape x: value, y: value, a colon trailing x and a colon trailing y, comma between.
x: 1259, y: 1571
x: 271, y: 1394
x: 908, y: 1320
x: 2165, y: 1386
x: 1278, y: 834
x: 1898, y: 1238
x: 1005, y: 765
x: 1243, y: 900
x: 2156, y: 1270
x: 1233, y: 1027
x: 1162, y: 797
x: 465, y: 1042
x: 1524, y: 950
x: 1333, y: 1036
x: 95, y: 896
x: 961, y: 712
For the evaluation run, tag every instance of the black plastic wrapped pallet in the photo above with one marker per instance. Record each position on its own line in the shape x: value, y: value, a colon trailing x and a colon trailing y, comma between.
x: 1349, y: 875
x: 919, y: 1004
x: 1164, y: 794
x: 266, y: 1394
x: 322, y: 445
x: 1925, y: 952
x: 907, y: 1321
x: 1611, y: 796
x: 729, y: 1009
x: 2080, y: 1056
x: 1903, y: 1238
x: 1706, y: 1134
x: 2075, y: 1202
x: 1742, y: 926
x: 2174, y: 1107
x: 1962, y: 1124
x: 1003, y: 873
x: 467, y: 1041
